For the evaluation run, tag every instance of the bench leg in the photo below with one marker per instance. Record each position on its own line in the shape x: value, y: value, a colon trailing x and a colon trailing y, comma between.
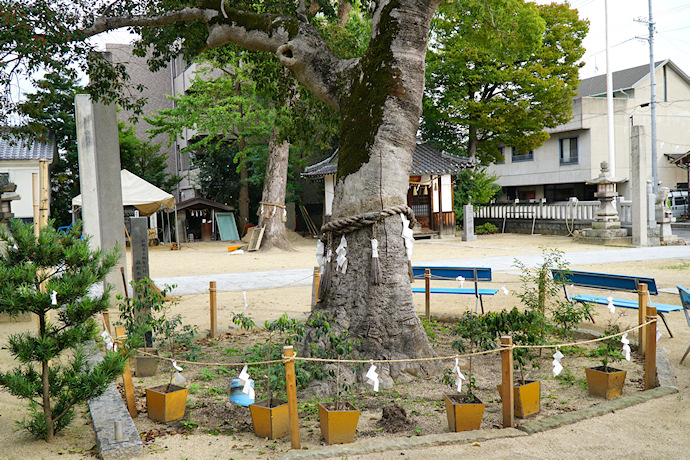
x: 686, y: 354
x: 481, y: 302
x: 663, y: 318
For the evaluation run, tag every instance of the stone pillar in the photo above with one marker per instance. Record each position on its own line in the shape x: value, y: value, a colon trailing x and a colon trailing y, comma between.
x: 468, y: 223
x: 140, y: 262
x: 99, y: 174
x: 638, y: 173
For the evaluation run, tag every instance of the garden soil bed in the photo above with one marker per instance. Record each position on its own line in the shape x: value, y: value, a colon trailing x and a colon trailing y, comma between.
x: 209, y: 410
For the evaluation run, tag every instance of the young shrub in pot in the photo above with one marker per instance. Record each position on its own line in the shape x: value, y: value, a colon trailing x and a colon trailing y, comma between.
x: 605, y: 381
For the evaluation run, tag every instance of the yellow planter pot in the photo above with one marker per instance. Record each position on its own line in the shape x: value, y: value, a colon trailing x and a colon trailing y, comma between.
x: 526, y: 398
x: 463, y: 416
x: 338, y: 426
x: 166, y: 402
x: 607, y: 385
x: 270, y: 419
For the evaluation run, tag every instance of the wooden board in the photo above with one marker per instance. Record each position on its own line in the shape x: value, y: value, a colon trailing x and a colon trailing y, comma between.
x: 256, y: 234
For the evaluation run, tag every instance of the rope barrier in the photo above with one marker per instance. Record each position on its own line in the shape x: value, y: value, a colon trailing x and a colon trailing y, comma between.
x: 406, y: 360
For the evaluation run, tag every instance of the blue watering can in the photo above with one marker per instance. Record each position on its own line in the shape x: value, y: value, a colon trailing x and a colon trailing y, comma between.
x: 236, y: 394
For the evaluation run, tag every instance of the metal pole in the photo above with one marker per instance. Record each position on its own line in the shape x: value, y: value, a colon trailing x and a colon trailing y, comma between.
x: 652, y: 101
x: 609, y: 97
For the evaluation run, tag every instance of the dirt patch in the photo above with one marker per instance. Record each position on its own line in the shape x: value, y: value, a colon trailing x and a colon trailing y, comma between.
x: 394, y: 419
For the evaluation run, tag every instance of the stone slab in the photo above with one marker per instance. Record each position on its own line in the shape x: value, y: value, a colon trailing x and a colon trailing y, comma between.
x: 105, y: 411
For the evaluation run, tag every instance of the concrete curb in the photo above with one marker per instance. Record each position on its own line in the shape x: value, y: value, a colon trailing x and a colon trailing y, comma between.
x: 372, y: 445
x: 666, y: 379
x: 105, y: 411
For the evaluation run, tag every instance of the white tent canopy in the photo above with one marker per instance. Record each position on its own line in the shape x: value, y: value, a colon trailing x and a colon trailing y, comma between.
x: 146, y: 197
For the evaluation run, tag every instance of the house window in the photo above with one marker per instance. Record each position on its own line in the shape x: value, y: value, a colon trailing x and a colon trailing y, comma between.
x: 568, y: 147
x: 519, y: 156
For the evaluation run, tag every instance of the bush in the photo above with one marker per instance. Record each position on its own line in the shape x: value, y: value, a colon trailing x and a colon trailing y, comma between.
x: 486, y: 229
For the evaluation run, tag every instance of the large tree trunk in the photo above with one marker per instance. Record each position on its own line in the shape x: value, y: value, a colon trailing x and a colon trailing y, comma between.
x: 380, y: 117
x: 379, y: 97
x: 273, y: 196
x: 244, y: 190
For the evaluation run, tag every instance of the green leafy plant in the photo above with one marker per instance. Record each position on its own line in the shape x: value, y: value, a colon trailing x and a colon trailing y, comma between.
x: 283, y: 331
x: 143, y: 313
x: 542, y: 293
x: 331, y: 343
x: 486, y: 229
x: 51, y: 277
x: 609, y: 350
x: 475, y: 335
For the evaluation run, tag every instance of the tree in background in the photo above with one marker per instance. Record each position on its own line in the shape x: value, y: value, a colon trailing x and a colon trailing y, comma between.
x: 499, y: 73
x: 473, y: 186
x: 51, y: 277
x: 144, y: 159
x: 49, y: 112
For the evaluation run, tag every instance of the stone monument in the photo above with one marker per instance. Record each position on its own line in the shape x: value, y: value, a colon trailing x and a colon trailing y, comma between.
x: 606, y: 228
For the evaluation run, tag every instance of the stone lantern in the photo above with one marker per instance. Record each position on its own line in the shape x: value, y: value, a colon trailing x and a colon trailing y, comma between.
x: 607, y: 215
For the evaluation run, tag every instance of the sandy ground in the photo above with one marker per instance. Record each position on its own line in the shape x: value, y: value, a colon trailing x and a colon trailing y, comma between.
x: 656, y: 429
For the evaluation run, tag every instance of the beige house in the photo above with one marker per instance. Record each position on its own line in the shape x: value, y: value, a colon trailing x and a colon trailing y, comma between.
x: 560, y: 168
x: 19, y: 160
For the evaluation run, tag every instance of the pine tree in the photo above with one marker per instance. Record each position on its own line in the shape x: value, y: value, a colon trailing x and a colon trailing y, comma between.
x: 51, y: 277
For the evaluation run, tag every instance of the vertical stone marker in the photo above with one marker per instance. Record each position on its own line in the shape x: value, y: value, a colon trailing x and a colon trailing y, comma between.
x: 140, y: 259
x: 638, y: 172
x: 468, y: 223
x: 99, y: 174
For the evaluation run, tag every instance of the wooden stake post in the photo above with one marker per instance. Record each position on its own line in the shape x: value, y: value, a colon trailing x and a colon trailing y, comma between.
x: 427, y: 293
x: 507, y: 381
x: 291, y: 388
x: 650, y: 354
x: 127, y: 377
x: 643, y: 298
x: 315, y: 288
x: 214, y: 310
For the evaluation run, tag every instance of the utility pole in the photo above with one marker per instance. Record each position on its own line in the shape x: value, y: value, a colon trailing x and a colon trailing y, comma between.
x: 652, y: 96
x: 652, y: 101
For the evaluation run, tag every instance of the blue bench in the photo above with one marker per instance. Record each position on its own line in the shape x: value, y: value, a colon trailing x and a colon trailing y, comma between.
x: 470, y: 274
x: 609, y: 282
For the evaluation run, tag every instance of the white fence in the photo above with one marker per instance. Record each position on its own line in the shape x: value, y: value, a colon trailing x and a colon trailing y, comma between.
x: 560, y: 210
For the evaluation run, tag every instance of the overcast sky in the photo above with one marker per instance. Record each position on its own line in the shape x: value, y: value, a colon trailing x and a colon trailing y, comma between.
x: 671, y: 41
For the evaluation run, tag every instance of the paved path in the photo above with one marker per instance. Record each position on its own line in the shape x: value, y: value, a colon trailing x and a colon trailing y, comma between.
x: 247, y: 281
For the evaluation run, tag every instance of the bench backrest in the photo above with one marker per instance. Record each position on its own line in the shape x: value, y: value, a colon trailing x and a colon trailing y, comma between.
x: 685, y: 301
x: 604, y: 281
x: 451, y: 273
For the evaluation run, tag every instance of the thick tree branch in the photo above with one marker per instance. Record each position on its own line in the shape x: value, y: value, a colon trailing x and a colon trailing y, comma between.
x: 105, y: 24
x: 297, y: 44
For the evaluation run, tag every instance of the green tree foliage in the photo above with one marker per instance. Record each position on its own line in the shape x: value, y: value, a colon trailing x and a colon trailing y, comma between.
x: 53, y: 374
x: 49, y: 113
x: 473, y: 186
x: 144, y: 159
x: 499, y: 72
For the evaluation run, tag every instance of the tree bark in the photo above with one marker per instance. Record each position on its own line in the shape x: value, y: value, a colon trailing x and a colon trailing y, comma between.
x: 380, y: 117
x: 45, y: 383
x: 273, y: 196
x: 244, y: 189
x: 379, y: 97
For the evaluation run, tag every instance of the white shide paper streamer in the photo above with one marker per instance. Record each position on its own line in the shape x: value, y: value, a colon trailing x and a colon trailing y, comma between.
x: 373, y: 377
x: 626, y: 346
x: 612, y: 308
x: 408, y: 236
x: 462, y: 281
x: 341, y: 252
x: 557, y: 367
x: 245, y: 381
x: 458, y: 376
